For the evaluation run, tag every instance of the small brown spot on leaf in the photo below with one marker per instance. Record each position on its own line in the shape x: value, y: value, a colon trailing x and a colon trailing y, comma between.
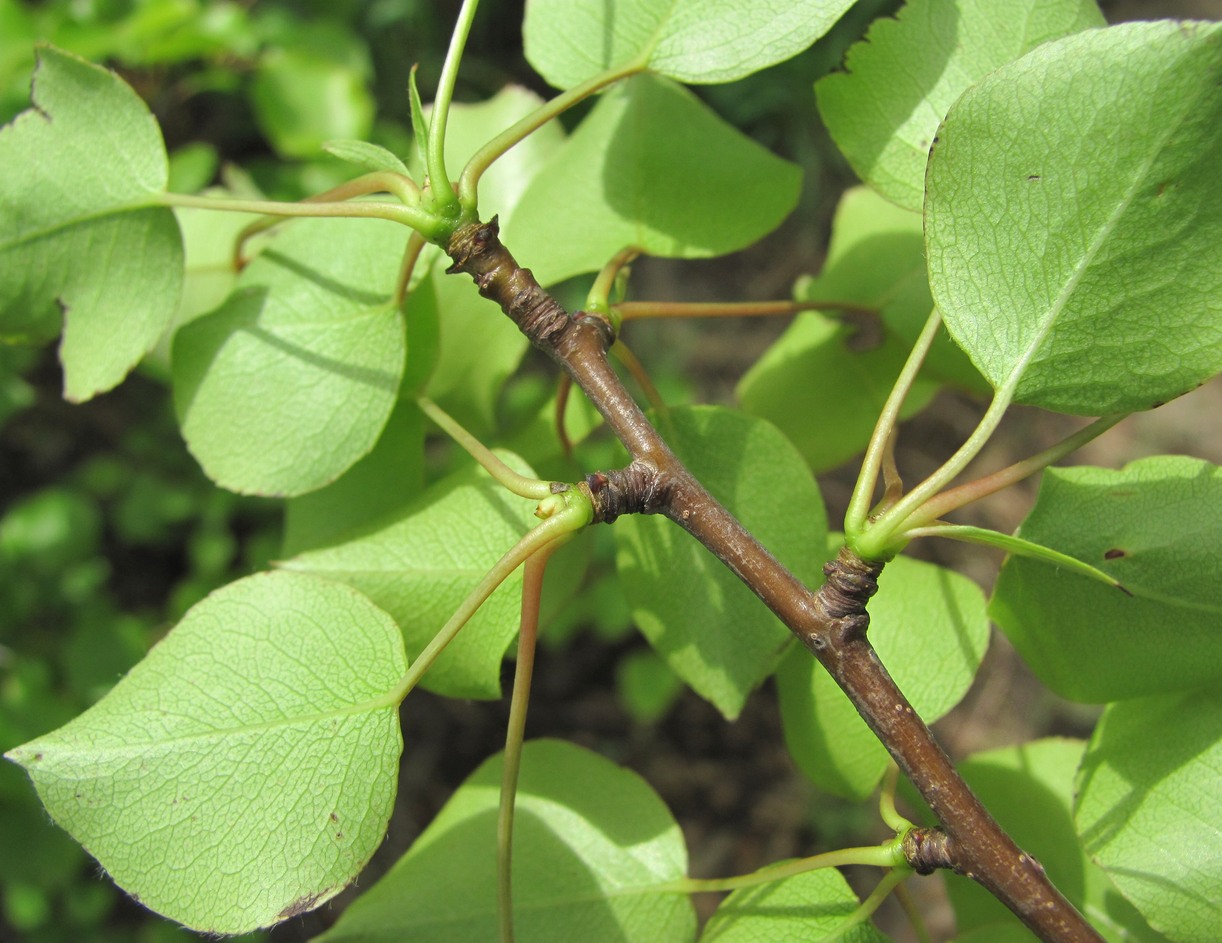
x: 1115, y: 554
x: 300, y: 905
x: 37, y: 757
x: 1033, y: 176
x: 334, y: 817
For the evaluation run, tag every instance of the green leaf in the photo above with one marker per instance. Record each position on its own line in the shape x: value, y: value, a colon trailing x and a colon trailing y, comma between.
x: 291, y: 381
x: 303, y: 100
x: 82, y: 240
x: 1153, y: 526
x: 423, y: 561
x: 808, y: 906
x: 711, y: 630
x: 371, y: 157
x: 694, y: 41
x: 710, y: 190
x: 381, y: 483
x: 1030, y: 790
x: 590, y: 839
x: 883, y: 110
x: 1149, y: 806
x: 1074, y: 219
x: 245, y: 771
x: 929, y: 627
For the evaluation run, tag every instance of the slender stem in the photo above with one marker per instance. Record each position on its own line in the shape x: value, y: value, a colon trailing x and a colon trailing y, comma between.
x: 411, y: 255
x: 886, y: 801
x: 955, y: 498
x: 468, y: 183
x: 869, y: 905
x: 565, y: 522
x: 563, y: 387
x: 439, y: 181
x: 880, y: 856
x: 520, y: 485
x: 620, y: 351
x: 913, y: 913
x: 633, y: 310
x: 598, y: 300
x: 419, y: 220
x: 856, y: 518
x: 528, y: 633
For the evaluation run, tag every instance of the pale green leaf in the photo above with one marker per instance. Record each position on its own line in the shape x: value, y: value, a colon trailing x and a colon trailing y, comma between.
x: 694, y: 41
x: 384, y: 481
x: 590, y: 838
x: 807, y: 907
x: 901, y: 79
x: 708, y: 191
x: 1149, y: 809
x: 291, y: 381
x: 82, y: 239
x: 929, y: 627
x: 1155, y: 527
x: 1030, y: 790
x: 423, y: 561
x: 712, y: 631
x: 1074, y: 219
x: 370, y: 157
x: 245, y: 771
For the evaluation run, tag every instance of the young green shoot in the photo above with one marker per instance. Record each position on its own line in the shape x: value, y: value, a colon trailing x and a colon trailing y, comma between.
x: 869, y: 905
x: 411, y: 255
x: 887, y: 855
x: 486, y: 156
x: 521, y: 485
x: 1016, y: 546
x: 856, y: 519
x: 886, y: 802
x: 634, y: 310
x: 442, y: 198
x: 611, y: 281
x: 563, y: 514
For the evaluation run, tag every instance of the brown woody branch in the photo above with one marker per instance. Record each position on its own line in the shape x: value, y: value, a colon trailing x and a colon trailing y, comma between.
x: 832, y: 622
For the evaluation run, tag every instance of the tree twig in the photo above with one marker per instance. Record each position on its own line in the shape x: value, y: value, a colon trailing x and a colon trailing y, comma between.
x: 831, y: 623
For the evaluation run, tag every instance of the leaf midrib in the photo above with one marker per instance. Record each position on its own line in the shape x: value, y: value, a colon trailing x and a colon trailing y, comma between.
x: 50, y: 232
x: 1007, y: 389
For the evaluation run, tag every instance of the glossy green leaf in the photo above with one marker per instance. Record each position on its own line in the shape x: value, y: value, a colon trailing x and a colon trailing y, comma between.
x: 710, y: 190
x: 423, y: 561
x: 245, y: 771
x: 1030, y: 790
x: 1074, y: 219
x: 929, y: 627
x: 82, y: 241
x: 694, y: 41
x: 900, y: 80
x: 590, y: 838
x: 1154, y: 527
x: 712, y: 631
x: 809, y: 906
x: 1149, y: 809
x: 290, y: 382
x: 875, y: 260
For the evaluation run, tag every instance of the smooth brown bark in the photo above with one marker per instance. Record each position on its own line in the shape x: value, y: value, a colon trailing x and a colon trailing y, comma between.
x: 832, y: 622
